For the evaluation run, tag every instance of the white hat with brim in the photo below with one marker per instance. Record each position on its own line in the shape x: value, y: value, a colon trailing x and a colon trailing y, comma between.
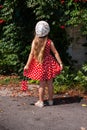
x: 42, y: 28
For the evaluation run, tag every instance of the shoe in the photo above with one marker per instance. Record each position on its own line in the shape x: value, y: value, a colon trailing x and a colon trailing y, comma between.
x: 50, y: 102
x: 39, y: 104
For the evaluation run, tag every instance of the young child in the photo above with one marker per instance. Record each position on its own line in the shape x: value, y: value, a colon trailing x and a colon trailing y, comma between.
x: 41, y: 65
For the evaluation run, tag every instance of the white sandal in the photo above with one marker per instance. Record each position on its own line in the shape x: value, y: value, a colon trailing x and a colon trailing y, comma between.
x: 39, y: 104
x: 50, y: 102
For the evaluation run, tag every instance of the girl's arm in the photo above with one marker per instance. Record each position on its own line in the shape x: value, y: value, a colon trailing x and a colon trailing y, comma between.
x: 30, y: 56
x: 55, y: 52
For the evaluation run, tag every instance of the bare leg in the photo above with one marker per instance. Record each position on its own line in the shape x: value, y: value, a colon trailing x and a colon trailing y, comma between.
x: 42, y: 90
x: 50, y: 88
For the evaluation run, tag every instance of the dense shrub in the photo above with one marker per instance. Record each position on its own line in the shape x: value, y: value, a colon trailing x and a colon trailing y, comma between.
x: 69, y: 79
x: 17, y: 21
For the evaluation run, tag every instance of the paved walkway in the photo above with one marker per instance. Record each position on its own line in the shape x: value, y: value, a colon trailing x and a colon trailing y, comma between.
x: 19, y: 113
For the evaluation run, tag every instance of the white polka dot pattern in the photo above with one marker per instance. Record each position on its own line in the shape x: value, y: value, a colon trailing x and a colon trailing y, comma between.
x: 45, y: 71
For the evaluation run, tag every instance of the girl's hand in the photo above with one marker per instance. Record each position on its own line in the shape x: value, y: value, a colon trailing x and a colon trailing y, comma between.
x: 61, y: 66
x: 26, y: 67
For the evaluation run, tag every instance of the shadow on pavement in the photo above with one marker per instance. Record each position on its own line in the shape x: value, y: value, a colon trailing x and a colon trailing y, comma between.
x: 65, y: 100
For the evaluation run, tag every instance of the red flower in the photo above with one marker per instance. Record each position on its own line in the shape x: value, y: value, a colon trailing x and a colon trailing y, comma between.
x: 62, y: 1
x: 1, y: 6
x: 62, y: 27
x: 80, y: 1
x: 1, y: 21
x: 76, y: 0
x: 24, y: 85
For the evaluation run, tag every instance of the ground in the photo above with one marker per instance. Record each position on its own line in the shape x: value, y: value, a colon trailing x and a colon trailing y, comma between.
x: 17, y: 110
x: 19, y: 113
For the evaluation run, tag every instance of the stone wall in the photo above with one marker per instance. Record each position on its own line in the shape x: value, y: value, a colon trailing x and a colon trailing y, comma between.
x: 76, y: 49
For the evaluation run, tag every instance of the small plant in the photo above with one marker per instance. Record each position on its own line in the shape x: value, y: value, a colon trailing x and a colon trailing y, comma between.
x: 81, y: 77
x: 33, y: 81
x: 71, y: 80
x: 6, y: 80
x: 66, y: 77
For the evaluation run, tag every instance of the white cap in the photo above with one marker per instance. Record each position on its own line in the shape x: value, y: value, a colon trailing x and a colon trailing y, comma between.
x: 42, y: 28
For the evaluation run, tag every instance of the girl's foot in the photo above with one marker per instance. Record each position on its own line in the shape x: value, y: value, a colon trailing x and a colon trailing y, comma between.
x: 50, y: 102
x: 39, y: 104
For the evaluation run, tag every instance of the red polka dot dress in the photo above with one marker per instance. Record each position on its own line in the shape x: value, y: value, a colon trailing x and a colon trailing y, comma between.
x: 46, y: 70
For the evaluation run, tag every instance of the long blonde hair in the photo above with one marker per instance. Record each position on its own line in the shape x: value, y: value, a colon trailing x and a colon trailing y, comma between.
x: 39, y: 47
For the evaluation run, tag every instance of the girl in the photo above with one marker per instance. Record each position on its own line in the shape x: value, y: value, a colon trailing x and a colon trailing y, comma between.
x: 41, y: 65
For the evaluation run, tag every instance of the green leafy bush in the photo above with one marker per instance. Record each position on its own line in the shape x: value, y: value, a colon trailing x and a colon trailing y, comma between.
x: 69, y: 79
x: 81, y: 77
x: 66, y: 77
x: 16, y: 33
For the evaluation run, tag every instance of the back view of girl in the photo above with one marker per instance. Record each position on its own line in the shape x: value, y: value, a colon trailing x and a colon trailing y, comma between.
x: 41, y: 65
